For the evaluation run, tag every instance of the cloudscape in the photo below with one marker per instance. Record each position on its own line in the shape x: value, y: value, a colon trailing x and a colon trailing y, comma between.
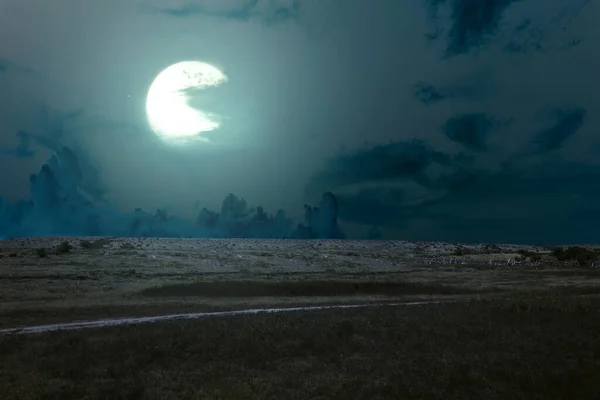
x: 451, y: 120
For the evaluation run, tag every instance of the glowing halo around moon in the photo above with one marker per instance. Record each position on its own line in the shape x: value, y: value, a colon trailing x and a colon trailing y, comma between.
x: 169, y: 113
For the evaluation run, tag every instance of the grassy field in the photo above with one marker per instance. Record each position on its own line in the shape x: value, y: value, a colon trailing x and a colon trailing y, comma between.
x: 505, y: 349
x: 49, y: 280
x: 525, y: 327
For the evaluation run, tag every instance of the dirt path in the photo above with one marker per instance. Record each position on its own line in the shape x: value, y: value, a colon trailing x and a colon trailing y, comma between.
x: 138, y: 320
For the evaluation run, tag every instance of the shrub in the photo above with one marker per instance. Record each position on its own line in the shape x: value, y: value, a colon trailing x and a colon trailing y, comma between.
x: 580, y: 254
x: 491, y: 249
x: 41, y: 252
x: 532, y: 255
x: 96, y: 244
x: 63, y: 248
x: 127, y: 246
x: 462, y: 251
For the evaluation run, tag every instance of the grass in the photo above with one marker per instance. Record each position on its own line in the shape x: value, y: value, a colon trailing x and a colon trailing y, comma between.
x: 301, y: 288
x: 31, y: 316
x: 534, y: 349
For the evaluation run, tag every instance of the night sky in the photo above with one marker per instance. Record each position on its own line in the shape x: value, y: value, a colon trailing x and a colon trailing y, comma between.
x: 453, y: 120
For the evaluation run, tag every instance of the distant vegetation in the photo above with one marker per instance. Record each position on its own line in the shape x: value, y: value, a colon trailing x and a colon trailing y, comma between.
x: 63, y: 247
x: 487, y: 249
x: 96, y: 244
x: 531, y: 255
x: 127, y: 246
x: 583, y: 256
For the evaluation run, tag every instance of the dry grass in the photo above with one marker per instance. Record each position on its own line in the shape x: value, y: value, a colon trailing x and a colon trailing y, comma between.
x: 533, y: 349
x: 101, y: 277
x: 303, y: 288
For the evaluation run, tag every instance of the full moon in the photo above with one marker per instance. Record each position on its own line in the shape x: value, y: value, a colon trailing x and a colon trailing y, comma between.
x: 168, y: 110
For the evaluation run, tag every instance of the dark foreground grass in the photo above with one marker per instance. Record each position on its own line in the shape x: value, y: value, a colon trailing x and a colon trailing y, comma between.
x: 49, y: 315
x: 23, y: 317
x: 303, y: 288
x: 527, y: 349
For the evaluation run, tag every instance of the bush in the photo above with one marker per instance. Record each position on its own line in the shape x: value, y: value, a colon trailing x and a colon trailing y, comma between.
x: 41, y: 252
x: 492, y: 249
x: 63, y: 248
x: 580, y: 254
x: 127, y: 246
x: 532, y: 255
x: 96, y: 244
x: 462, y: 251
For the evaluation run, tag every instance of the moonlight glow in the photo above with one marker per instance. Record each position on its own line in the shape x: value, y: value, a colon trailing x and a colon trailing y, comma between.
x: 167, y: 108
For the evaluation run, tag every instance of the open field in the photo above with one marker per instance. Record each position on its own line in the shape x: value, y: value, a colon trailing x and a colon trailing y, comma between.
x: 528, y: 349
x: 111, y: 277
x: 526, y: 322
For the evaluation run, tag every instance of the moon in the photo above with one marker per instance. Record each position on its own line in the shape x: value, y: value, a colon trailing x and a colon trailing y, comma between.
x: 169, y: 113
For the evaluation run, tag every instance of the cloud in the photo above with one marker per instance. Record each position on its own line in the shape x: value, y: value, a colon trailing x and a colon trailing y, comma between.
x: 567, y: 123
x: 56, y: 135
x: 267, y: 11
x: 475, y: 87
x: 22, y: 149
x: 470, y: 130
x: 378, y: 206
x: 321, y: 222
x: 561, y: 32
x: 463, y: 198
x: 473, y: 24
x: 406, y: 160
x: 58, y: 206
x: 429, y: 94
x: 524, y: 38
x: 7, y: 65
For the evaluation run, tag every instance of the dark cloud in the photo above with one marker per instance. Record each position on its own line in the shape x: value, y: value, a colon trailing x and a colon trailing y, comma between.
x: 558, y: 34
x: 396, y: 160
x: 549, y: 203
x: 470, y: 130
x: 55, y: 137
x: 524, y: 38
x: 58, y: 206
x: 567, y: 123
x: 321, y: 222
x: 7, y: 65
x: 474, y: 23
x: 430, y: 94
x: 374, y: 233
x: 464, y: 200
x: 22, y: 149
x: 268, y: 12
x: 378, y: 206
